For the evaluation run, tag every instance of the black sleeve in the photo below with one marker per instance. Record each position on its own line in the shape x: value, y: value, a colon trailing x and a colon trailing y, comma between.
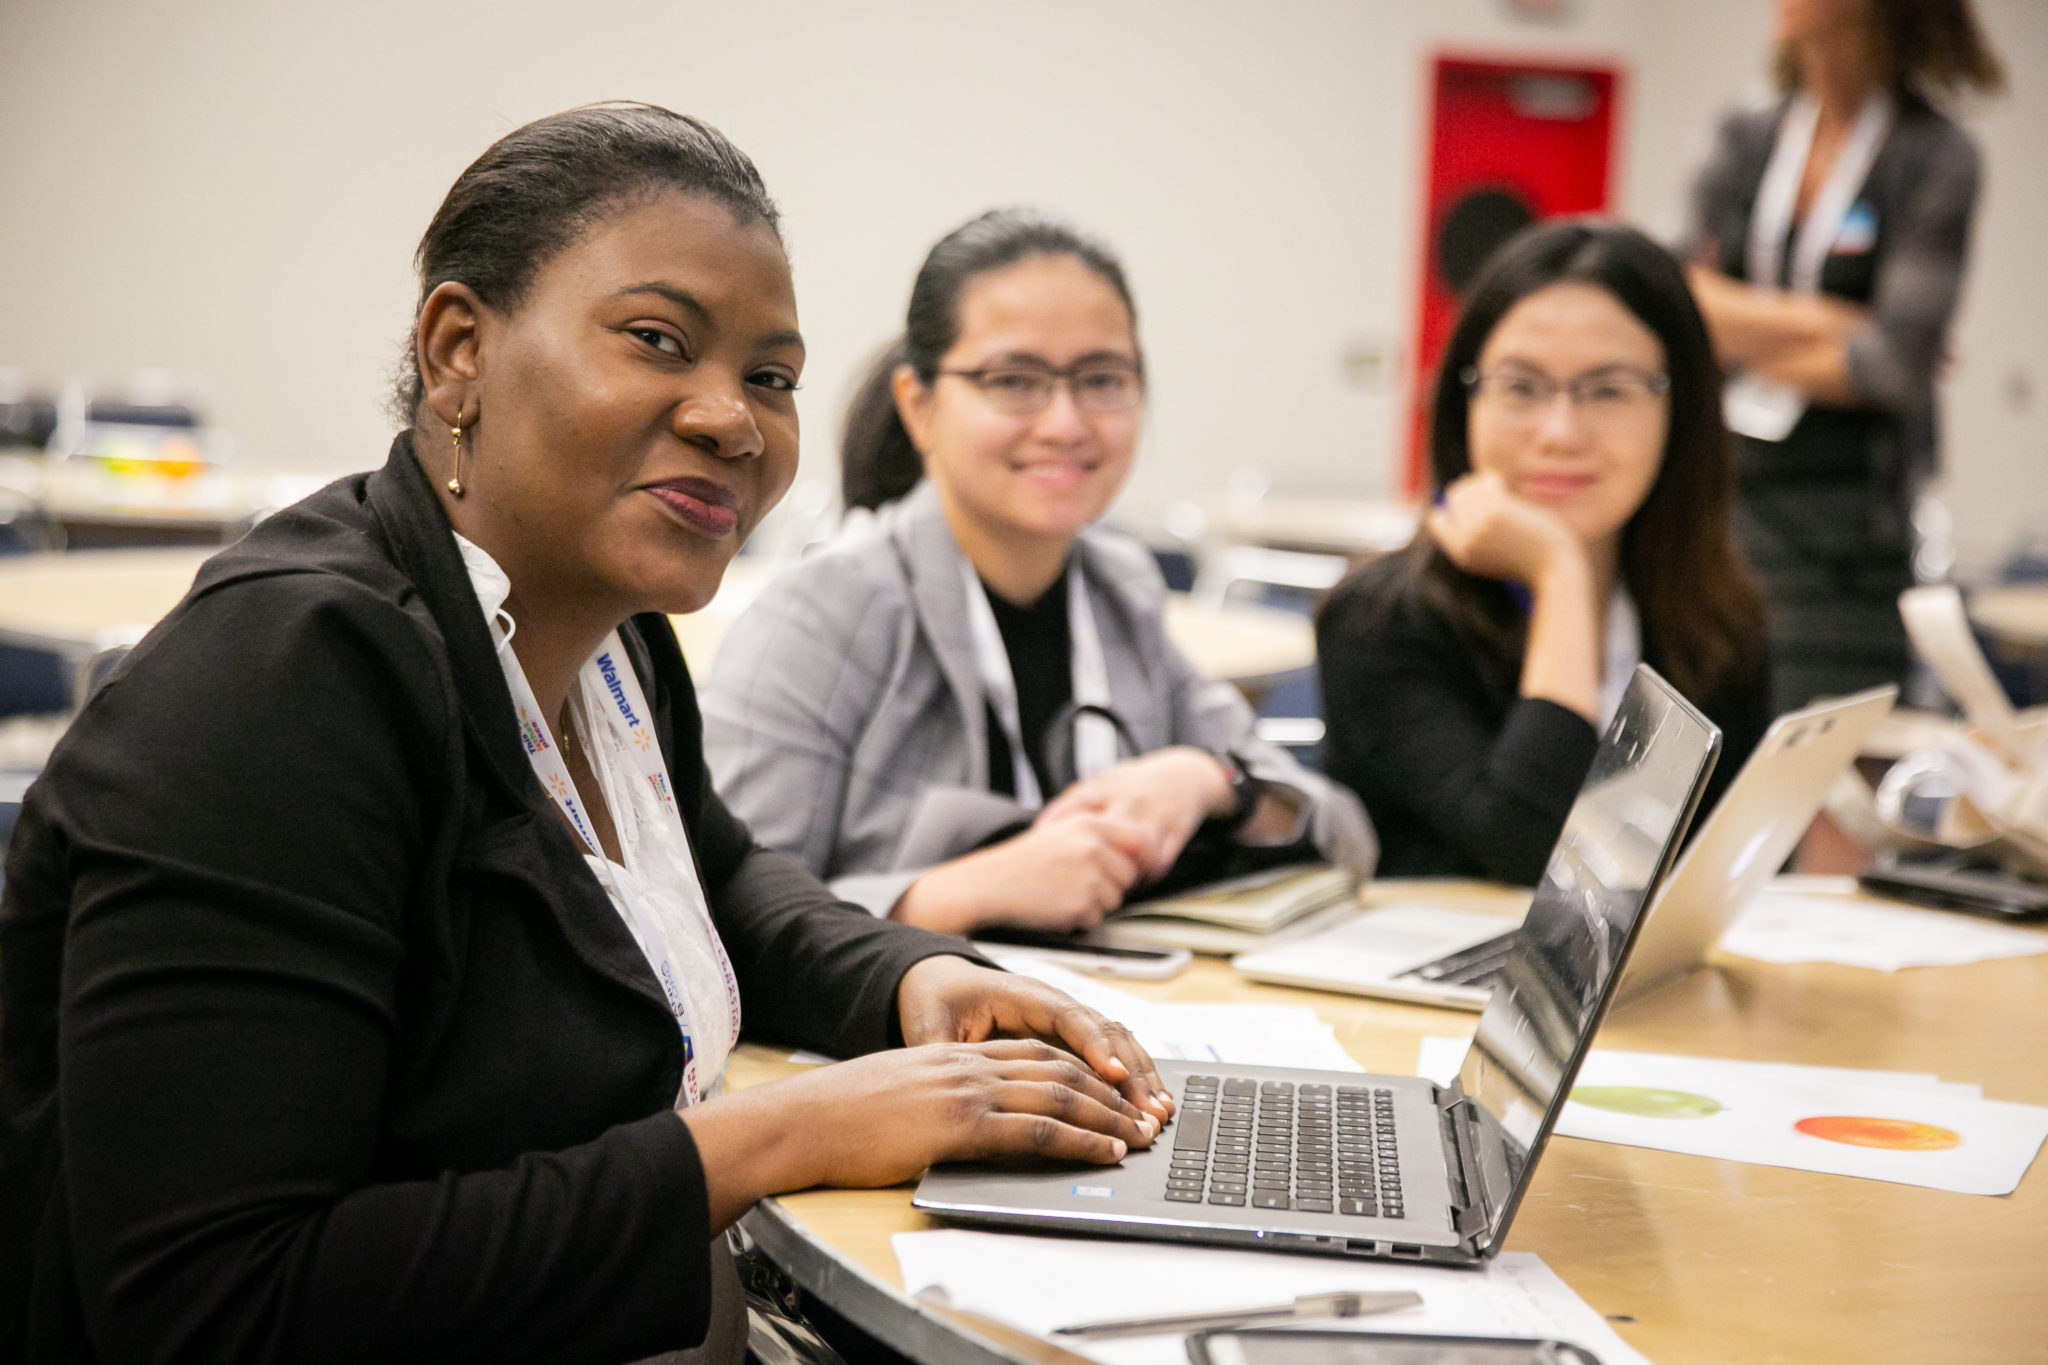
x: 813, y: 970
x: 247, y: 807
x: 1410, y: 729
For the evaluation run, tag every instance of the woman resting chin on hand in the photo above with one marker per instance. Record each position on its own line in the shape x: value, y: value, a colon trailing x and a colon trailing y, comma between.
x: 1581, y: 526
x: 375, y: 941
x: 1486, y: 530
x: 977, y: 654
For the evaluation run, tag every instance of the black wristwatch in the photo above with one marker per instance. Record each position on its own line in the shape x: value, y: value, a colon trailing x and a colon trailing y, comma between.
x: 1245, y: 791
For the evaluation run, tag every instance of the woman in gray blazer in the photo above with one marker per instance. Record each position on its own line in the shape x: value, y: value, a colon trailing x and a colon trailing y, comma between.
x: 965, y: 711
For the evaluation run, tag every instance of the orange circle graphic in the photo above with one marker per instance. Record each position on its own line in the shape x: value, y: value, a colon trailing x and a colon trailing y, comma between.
x: 1893, y: 1135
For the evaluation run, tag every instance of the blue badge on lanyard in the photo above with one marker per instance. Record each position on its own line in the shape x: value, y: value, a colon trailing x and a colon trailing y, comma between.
x: 1859, y: 231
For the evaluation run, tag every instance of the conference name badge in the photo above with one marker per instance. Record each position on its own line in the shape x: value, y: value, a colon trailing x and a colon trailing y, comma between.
x: 1858, y: 236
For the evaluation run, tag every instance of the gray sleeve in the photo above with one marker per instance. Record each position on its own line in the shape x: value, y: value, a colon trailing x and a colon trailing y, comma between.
x: 1721, y: 189
x: 1892, y: 361
x: 778, y: 729
x: 1213, y: 715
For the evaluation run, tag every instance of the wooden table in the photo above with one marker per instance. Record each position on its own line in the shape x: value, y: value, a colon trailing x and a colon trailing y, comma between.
x: 81, y: 606
x: 1694, y: 1259
x: 2017, y: 612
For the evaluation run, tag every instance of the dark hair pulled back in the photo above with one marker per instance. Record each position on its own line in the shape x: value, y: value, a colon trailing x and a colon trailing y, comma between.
x: 539, y: 188
x: 1699, y: 608
x: 877, y: 462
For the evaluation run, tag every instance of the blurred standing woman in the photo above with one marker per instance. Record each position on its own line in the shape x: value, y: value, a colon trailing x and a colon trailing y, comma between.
x: 966, y: 711
x: 1828, y: 240
x: 374, y: 942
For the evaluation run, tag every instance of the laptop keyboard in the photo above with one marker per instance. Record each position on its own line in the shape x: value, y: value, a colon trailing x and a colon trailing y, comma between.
x: 1276, y: 1145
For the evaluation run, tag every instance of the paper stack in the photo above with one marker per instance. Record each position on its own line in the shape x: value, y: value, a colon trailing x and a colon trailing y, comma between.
x: 1037, y: 1284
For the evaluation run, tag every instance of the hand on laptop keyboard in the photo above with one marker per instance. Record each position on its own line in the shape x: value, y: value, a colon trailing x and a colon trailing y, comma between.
x: 951, y: 1000
x: 885, y: 1117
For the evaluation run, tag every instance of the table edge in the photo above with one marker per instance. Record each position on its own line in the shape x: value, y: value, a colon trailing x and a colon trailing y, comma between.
x: 896, y: 1319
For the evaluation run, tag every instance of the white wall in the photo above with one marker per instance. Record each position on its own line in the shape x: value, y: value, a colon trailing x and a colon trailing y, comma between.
x: 232, y: 190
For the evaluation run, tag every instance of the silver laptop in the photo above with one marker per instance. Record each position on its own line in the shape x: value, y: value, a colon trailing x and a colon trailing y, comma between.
x: 1440, y: 955
x: 1396, y: 1166
x: 1750, y: 834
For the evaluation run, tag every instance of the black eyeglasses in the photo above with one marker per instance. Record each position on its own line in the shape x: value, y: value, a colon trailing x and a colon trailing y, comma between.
x: 1021, y: 389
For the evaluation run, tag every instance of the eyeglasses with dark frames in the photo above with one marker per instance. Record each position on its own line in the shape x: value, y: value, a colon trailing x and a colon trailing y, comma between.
x: 1022, y: 389
x: 1611, y: 392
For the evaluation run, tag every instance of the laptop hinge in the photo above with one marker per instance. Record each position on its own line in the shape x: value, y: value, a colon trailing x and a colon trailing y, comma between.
x: 1471, y: 1210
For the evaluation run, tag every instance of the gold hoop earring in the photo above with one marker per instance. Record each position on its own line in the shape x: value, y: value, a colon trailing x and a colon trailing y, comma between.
x: 455, y: 437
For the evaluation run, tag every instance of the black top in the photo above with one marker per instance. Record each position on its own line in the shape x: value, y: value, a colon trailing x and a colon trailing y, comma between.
x: 350, y: 1054
x: 1462, y: 776
x: 1039, y: 642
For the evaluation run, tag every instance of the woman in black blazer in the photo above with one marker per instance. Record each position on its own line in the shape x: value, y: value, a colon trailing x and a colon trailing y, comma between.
x: 1581, y: 523
x: 324, y: 1037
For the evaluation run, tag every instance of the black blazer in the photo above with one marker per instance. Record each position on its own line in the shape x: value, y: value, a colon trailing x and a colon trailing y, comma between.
x: 320, y: 1041
x: 1462, y: 776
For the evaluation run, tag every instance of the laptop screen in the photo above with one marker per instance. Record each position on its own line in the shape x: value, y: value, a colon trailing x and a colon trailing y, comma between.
x: 1617, y: 842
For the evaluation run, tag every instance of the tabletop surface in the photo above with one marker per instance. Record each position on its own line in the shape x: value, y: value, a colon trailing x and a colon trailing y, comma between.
x: 92, y: 598
x: 1698, y: 1259
x: 87, y: 600
x: 2016, y: 611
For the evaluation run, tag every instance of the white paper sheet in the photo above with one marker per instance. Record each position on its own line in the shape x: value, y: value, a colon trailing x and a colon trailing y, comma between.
x: 1930, y: 1136
x: 1791, y: 926
x: 1039, y: 1283
x: 1252, y: 1035
x: 1940, y: 1134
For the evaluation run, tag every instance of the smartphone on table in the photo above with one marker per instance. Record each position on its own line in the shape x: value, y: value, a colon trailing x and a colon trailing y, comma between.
x: 1948, y: 885
x: 1097, y: 959
x: 1283, y: 1346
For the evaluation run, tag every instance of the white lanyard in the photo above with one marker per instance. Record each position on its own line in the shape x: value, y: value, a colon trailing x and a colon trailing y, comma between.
x: 1094, y: 735
x: 630, y: 718
x: 1757, y: 407
x: 1779, y: 193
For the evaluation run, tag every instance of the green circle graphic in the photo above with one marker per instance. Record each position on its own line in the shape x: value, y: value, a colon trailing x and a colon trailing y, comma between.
x: 1645, y: 1102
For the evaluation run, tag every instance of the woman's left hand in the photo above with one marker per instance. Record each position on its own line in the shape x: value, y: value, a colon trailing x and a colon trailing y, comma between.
x: 1167, y: 794
x: 951, y: 1000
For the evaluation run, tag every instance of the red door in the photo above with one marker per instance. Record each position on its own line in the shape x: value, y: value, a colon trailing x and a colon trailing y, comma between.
x: 1509, y: 143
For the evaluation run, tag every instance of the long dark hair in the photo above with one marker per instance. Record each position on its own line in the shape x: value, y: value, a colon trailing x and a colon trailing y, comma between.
x: 1700, y: 610
x: 539, y: 188
x: 877, y: 462
x: 1925, y: 48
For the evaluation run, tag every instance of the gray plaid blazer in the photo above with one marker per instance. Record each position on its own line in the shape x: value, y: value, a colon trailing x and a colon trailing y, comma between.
x: 844, y: 718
